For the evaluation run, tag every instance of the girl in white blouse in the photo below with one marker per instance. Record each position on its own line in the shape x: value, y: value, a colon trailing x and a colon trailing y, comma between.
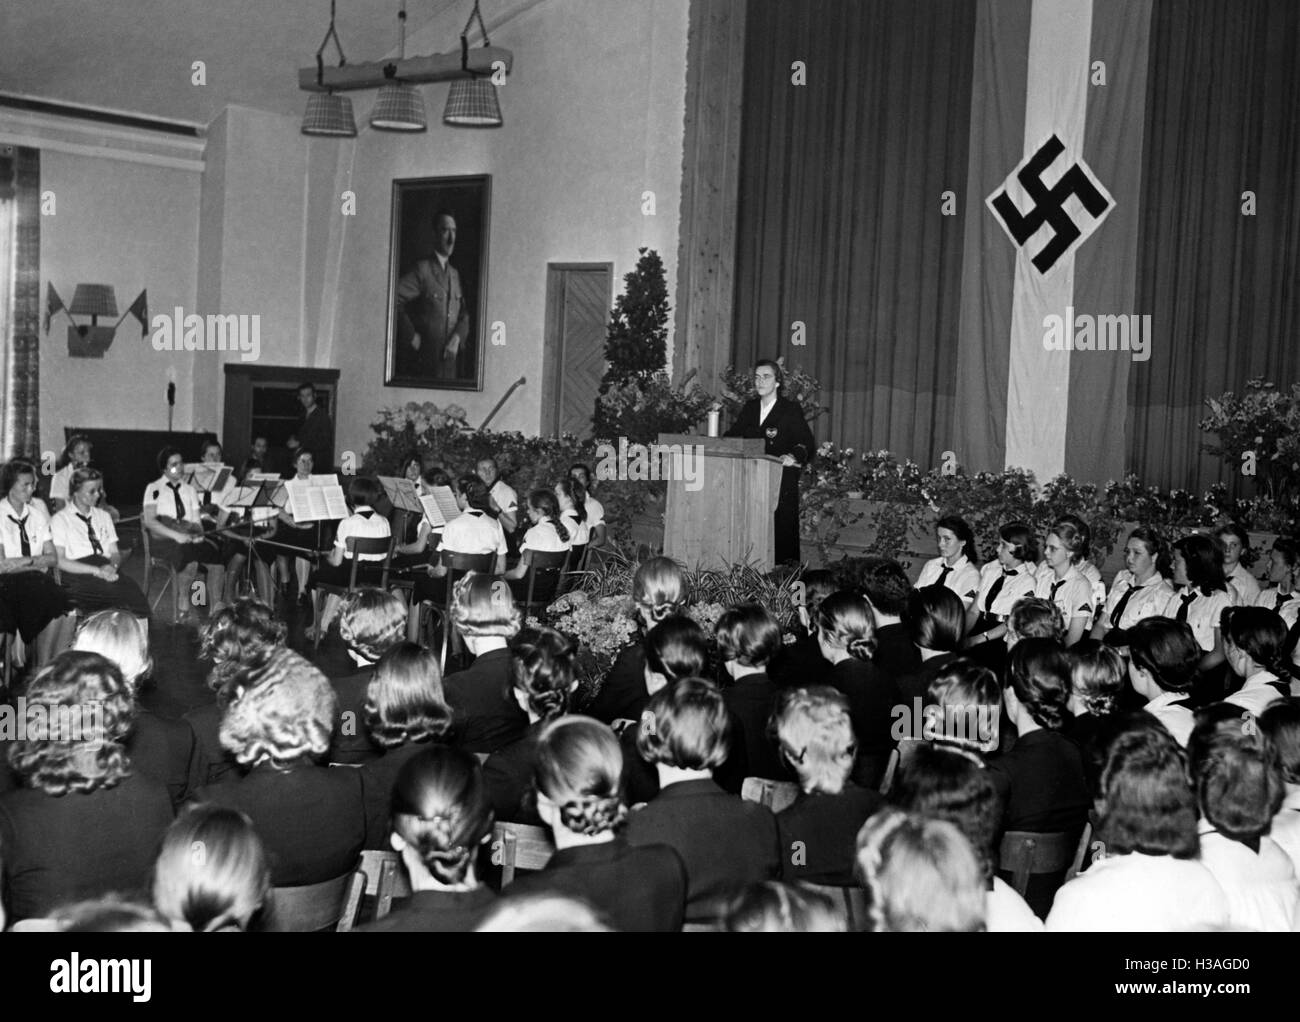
x: 1003, y: 583
x: 956, y: 566
x: 86, y: 544
x: 1063, y: 584
x: 572, y: 499
x: 1254, y: 642
x: 1201, y: 594
x: 1140, y: 590
x: 548, y: 533
x: 1281, y: 595
x: 1241, y: 583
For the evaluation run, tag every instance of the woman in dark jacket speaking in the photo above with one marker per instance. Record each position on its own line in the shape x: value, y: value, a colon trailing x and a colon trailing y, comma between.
x: 780, y: 422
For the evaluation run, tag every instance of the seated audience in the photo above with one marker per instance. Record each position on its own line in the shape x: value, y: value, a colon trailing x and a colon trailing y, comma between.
x: 957, y: 565
x: 481, y: 697
x: 85, y: 542
x: 84, y: 822
x: 167, y: 751
x: 405, y: 711
x: 818, y: 831
x: 658, y: 592
x: 441, y: 817
x: 1235, y: 542
x: 770, y: 907
x: 212, y: 873
x: 748, y: 637
x: 886, y: 586
x: 1003, y: 583
x: 800, y: 663
x: 1254, y: 643
x: 1239, y: 789
x: 1062, y: 583
x: 937, y: 619
x: 634, y: 888
x: 921, y: 875
x: 962, y: 710
x: 1164, y: 659
x: 541, y: 671
x: 1281, y: 723
x: 1097, y: 675
x: 1148, y: 876
x: 372, y: 622
x: 277, y: 726
x: 952, y: 785
x: 1139, y: 591
x: 363, y: 523
x: 725, y: 843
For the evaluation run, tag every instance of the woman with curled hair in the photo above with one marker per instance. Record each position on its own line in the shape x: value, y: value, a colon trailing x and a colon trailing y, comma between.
x: 1239, y: 788
x: 1200, y: 598
x: 1281, y: 723
x: 748, y: 637
x: 1062, y: 583
x: 782, y: 908
x: 921, y: 875
x: 846, y: 633
x: 1139, y: 591
x: 1041, y: 776
x: 725, y: 843
x: 541, y: 671
x: 659, y: 591
x: 441, y: 818
x: 211, y: 874
x: 239, y: 638
x: 815, y: 734
x: 277, y: 726
x: 963, y: 711
x: 636, y: 889
x: 1032, y: 618
x: 487, y: 715
x: 84, y: 821
x: 166, y: 750
x: 372, y: 623
x: 405, y: 712
x: 957, y: 565
x: 937, y: 621
x: 1147, y: 875
x: 1254, y: 642
x: 1097, y: 675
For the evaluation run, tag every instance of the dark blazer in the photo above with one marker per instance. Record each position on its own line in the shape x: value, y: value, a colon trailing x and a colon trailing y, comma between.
x: 792, y: 435
x: 484, y: 708
x: 436, y: 912
x: 622, y: 696
x: 314, y: 434
x: 72, y: 847
x: 351, y: 742
x: 640, y: 779
x: 166, y: 751
x: 1043, y: 782
x: 310, y: 818
x: 215, y: 763
x: 725, y: 843
x: 819, y: 835
x: 872, y: 698
x: 799, y: 664
x: 916, y: 684
x: 750, y: 701
x: 635, y: 889
x: 508, y: 774
x: 377, y: 779
x: 1093, y: 735
x: 896, y: 654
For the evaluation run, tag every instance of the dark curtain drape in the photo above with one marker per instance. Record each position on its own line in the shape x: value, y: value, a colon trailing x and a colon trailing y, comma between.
x: 1223, y: 288
x: 20, y: 194
x: 841, y: 211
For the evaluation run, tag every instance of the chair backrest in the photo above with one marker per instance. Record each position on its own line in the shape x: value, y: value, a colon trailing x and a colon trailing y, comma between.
x: 776, y: 795
x: 373, y: 866
x: 1024, y: 854
x: 1080, y: 853
x: 520, y: 846
x: 369, y: 546
x: 352, y: 902
x: 544, y: 571
x: 309, y: 908
x: 891, y: 768
x: 453, y: 561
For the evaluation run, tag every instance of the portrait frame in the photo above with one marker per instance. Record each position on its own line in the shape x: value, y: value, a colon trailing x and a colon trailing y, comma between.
x: 423, y: 297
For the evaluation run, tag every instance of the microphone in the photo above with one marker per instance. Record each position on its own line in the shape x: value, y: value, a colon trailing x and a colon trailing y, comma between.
x: 171, y: 394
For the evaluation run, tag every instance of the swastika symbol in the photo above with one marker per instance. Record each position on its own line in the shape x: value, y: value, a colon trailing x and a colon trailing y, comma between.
x: 1049, y: 204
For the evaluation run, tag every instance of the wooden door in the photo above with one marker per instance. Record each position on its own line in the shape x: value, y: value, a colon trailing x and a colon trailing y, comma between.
x: 578, y: 301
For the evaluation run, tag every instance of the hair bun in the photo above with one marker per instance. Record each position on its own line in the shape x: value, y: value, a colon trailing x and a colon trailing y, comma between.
x: 592, y: 814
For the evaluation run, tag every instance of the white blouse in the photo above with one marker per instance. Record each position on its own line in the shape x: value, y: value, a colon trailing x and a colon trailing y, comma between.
x: 1203, y: 613
x: 1261, y: 887
x: 1149, y: 600
x: 1006, y: 912
x: 1137, y: 892
x: 161, y: 497
x: 1244, y: 585
x: 1260, y: 691
x: 1288, y: 606
x: 474, y: 532
x: 34, y: 523
x: 1173, y: 711
x: 1286, y: 826
x: 963, y: 579
x: 362, y: 526
x: 1018, y: 583
x: 543, y: 538
x: 69, y: 532
x: 1072, y: 594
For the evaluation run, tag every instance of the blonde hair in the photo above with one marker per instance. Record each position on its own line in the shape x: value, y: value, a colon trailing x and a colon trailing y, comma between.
x: 212, y: 872
x: 282, y: 712
x: 482, y: 605
x: 815, y: 735
x: 772, y: 907
x: 921, y: 875
x: 372, y: 622
x: 121, y: 637
x: 659, y: 588
x: 579, y: 766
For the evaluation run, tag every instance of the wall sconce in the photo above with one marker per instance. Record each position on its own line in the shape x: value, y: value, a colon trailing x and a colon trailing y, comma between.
x: 90, y: 340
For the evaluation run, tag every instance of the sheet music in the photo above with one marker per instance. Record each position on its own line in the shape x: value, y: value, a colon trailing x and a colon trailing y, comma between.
x: 308, y: 503
x: 329, y: 480
x: 401, y: 493
x: 264, y: 477
x: 445, y: 501
x: 432, y: 512
x: 204, y: 476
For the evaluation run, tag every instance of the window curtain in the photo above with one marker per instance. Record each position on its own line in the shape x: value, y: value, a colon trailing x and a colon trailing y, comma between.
x: 20, y: 307
x: 1223, y: 288
x: 840, y: 225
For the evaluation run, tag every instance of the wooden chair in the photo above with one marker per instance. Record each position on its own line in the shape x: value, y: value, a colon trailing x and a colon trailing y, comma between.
x: 311, y: 908
x: 357, y: 547
x: 519, y: 846
x: 776, y: 795
x: 458, y: 566
x: 1024, y: 854
x: 891, y: 768
x: 352, y: 903
x: 150, y: 563
x: 385, y: 875
x: 542, y: 583
x: 1080, y: 853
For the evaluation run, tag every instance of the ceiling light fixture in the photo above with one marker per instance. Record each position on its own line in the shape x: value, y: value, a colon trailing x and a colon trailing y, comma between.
x: 329, y: 115
x: 399, y: 106
x: 473, y: 102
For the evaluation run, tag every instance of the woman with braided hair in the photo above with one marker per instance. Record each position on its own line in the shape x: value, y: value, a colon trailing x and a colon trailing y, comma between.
x: 541, y: 671
x: 640, y: 889
x: 441, y: 816
x: 1255, y: 643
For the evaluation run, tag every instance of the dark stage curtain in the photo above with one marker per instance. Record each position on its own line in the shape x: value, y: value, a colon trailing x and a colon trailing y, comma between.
x: 841, y: 225
x: 1223, y: 118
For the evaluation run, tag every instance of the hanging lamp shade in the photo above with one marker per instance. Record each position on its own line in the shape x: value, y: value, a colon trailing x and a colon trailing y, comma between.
x: 329, y: 115
x: 398, y: 108
x: 472, y: 103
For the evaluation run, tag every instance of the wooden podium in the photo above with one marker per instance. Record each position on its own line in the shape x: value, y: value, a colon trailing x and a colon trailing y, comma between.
x: 722, y: 515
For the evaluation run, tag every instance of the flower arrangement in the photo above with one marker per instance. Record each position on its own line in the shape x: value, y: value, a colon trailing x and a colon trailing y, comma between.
x: 1257, y: 434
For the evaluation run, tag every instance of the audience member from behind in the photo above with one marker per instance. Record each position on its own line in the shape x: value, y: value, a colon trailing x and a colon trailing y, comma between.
x: 1033, y: 618
x: 725, y: 843
x: 818, y: 831
x: 635, y: 888
x: 887, y: 587
x: 441, y: 817
x: 800, y: 663
x: 487, y: 716
x: 543, y: 914
x: 771, y: 907
x: 937, y: 620
x: 371, y: 622
x: 1147, y: 876
x: 1164, y: 659
x: 212, y: 873
x: 1254, y: 641
x: 1097, y: 675
x: 1281, y: 723
x: 748, y: 637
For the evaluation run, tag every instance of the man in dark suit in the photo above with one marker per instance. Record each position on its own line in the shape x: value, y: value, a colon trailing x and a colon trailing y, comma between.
x: 313, y: 432
x: 780, y: 422
x: 432, y: 317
